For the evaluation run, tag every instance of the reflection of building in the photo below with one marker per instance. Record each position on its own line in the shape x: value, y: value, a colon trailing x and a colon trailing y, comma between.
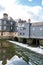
x: 7, y: 51
x: 8, y: 27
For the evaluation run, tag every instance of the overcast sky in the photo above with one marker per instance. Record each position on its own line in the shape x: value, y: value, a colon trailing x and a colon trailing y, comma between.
x: 23, y: 9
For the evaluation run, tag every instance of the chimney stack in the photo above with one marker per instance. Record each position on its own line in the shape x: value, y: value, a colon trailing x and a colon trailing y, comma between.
x: 5, y: 16
x: 29, y: 20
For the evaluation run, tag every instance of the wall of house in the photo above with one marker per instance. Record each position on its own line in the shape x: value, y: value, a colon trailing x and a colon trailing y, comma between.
x: 23, y: 31
x: 36, y: 32
x: 15, y: 34
x: 8, y: 28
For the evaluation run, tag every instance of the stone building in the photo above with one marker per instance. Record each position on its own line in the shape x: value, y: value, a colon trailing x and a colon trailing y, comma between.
x: 7, y: 27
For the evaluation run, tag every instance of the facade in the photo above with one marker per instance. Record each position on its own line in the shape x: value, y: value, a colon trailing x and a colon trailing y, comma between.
x: 31, y: 33
x: 23, y: 29
x: 8, y: 27
x: 36, y: 30
x: 31, y: 30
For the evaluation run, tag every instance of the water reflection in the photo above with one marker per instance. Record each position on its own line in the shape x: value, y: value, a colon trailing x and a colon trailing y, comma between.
x: 17, y: 61
x: 7, y: 51
x: 35, y: 58
x: 18, y: 55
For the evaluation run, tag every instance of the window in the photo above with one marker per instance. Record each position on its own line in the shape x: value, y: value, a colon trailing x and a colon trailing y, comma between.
x: 40, y: 28
x: 11, y: 23
x: 4, y: 22
x: 23, y: 33
x: 0, y: 22
x: 20, y: 33
x: 24, y: 28
x: 4, y: 27
x: 33, y: 28
x: 0, y: 27
x: 11, y: 28
x: 20, y: 28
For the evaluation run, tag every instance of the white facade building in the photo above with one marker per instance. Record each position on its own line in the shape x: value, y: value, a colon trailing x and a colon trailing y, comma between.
x: 23, y: 29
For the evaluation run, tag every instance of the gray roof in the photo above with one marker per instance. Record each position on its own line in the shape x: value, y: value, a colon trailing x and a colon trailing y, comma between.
x: 37, y: 24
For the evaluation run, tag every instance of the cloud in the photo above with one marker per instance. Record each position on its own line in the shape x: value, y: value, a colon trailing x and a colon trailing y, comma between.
x: 36, y: 13
x: 30, y: 0
x: 1, y: 8
x: 17, y: 11
x: 40, y: 17
x: 42, y: 2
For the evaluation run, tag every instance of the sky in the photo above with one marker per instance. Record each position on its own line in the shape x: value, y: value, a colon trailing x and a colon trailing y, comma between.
x: 23, y: 9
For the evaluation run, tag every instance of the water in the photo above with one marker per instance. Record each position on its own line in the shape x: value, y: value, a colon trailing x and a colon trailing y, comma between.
x: 11, y: 54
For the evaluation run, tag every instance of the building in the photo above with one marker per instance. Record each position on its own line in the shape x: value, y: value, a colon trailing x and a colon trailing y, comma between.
x: 36, y: 30
x: 23, y: 29
x: 7, y: 27
x: 30, y: 32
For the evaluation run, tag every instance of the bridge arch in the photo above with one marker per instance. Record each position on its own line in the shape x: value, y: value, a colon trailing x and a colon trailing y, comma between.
x: 35, y: 42
x: 24, y: 40
x: 15, y: 39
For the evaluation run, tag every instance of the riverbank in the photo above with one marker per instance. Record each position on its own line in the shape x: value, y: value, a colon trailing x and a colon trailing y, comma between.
x: 35, y: 49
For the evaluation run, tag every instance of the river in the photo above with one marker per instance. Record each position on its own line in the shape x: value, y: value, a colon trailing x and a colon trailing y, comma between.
x: 12, y: 54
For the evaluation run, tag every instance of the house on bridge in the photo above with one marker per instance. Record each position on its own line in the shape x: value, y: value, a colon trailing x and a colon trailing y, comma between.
x: 8, y: 28
x: 30, y: 32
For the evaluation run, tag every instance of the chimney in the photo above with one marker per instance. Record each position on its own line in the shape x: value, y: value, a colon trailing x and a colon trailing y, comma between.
x: 29, y: 20
x: 5, y: 16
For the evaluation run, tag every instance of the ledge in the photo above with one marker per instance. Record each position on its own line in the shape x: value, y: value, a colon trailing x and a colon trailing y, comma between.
x: 34, y: 49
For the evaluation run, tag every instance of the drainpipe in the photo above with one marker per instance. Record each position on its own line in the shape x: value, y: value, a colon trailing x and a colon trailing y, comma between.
x: 29, y: 20
x: 29, y: 30
x: 2, y: 30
